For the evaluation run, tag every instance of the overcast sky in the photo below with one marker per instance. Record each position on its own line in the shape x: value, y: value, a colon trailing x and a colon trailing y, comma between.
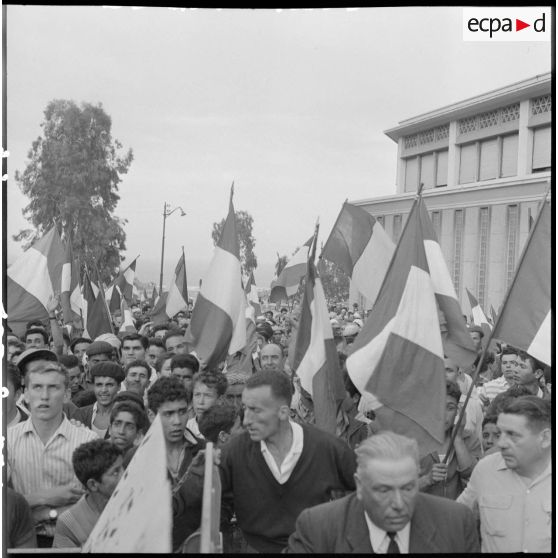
x: 292, y: 105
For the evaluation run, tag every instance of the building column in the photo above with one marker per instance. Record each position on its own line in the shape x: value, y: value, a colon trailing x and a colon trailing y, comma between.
x: 453, y: 155
x: 525, y: 141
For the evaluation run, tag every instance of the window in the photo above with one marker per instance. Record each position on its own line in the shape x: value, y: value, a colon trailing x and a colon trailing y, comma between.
x: 459, y: 222
x: 511, y: 241
x: 442, y: 168
x: 427, y: 170
x: 397, y: 220
x: 489, y: 158
x: 430, y: 169
x: 411, y: 174
x: 484, y: 226
x: 541, y: 149
x: 437, y: 223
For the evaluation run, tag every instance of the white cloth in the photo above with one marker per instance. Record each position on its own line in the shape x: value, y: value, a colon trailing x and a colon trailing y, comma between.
x: 283, y: 472
x: 192, y: 426
x: 380, y: 541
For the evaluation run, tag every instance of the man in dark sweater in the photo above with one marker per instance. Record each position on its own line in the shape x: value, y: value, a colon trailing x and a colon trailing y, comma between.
x: 278, y: 468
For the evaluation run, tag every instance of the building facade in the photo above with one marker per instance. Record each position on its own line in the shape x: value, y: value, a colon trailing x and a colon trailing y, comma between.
x: 485, y: 164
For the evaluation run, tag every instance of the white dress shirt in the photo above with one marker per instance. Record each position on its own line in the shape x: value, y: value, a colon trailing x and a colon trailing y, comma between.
x: 283, y: 472
x: 380, y: 541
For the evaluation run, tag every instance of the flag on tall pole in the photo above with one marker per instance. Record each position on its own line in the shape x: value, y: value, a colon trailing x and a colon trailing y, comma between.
x: 479, y: 317
x: 125, y: 281
x: 154, y: 296
x: 397, y: 360
x: 288, y: 281
x: 98, y: 317
x: 525, y: 320
x: 360, y: 246
x: 88, y: 298
x: 177, y: 298
x: 33, y: 279
x: 315, y: 356
x: 218, y: 324
x: 69, y: 287
x: 252, y: 296
x: 127, y: 524
x: 158, y: 313
x: 114, y: 298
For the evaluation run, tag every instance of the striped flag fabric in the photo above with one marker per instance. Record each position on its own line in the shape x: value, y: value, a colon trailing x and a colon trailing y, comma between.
x: 98, y: 317
x: 479, y: 317
x: 34, y: 278
x: 360, y: 246
x: 158, y: 313
x: 88, y: 298
x: 127, y: 524
x: 397, y: 359
x: 315, y: 355
x: 113, y: 296
x: 525, y: 320
x: 127, y: 319
x: 252, y: 297
x: 69, y: 288
x: 493, y: 314
x: 125, y: 281
x: 177, y: 299
x: 289, y: 279
x: 218, y: 323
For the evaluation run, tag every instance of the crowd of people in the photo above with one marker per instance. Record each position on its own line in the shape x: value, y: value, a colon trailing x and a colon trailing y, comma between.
x: 78, y: 408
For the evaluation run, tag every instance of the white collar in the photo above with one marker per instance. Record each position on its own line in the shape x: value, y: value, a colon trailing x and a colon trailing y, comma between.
x: 296, y: 446
x: 380, y: 540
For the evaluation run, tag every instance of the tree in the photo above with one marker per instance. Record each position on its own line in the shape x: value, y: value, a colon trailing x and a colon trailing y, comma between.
x: 334, y: 280
x: 72, y: 178
x: 244, y: 222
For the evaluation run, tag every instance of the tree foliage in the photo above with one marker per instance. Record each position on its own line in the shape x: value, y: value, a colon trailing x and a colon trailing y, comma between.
x: 334, y: 280
x: 244, y: 222
x: 72, y: 179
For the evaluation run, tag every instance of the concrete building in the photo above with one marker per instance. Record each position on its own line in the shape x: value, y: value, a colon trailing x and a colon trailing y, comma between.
x: 485, y: 164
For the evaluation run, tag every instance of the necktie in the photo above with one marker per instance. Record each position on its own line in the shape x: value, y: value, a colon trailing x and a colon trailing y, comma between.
x: 392, y: 548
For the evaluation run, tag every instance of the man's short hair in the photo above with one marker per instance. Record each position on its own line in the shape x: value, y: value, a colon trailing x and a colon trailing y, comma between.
x: 37, y: 330
x: 278, y: 382
x: 174, y: 332
x: 386, y: 444
x: 107, y: 369
x: 490, y: 419
x: 535, y: 364
x: 136, y: 337
x: 502, y: 399
x: 128, y: 396
x: 218, y: 418
x: 452, y: 389
x: 14, y: 376
x: 161, y: 360
x: 212, y: 379
x: 138, y: 362
x: 537, y: 411
x: 93, y: 459
x: 185, y: 361
x: 165, y: 389
x: 69, y: 361
x: 236, y: 378
x: 50, y: 366
x: 159, y: 327
x: 509, y: 350
x: 137, y: 411
x: 155, y: 342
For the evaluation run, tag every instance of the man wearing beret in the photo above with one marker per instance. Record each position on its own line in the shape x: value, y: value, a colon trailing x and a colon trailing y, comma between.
x: 107, y: 377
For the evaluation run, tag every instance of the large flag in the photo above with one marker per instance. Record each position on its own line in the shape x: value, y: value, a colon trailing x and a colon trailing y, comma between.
x: 315, y: 356
x: 479, y: 317
x: 177, y: 298
x: 525, y: 320
x: 289, y: 279
x: 69, y: 288
x: 360, y: 246
x: 254, y: 308
x: 218, y: 324
x: 127, y: 319
x: 127, y: 524
x: 34, y: 278
x: 98, y: 318
x: 397, y: 360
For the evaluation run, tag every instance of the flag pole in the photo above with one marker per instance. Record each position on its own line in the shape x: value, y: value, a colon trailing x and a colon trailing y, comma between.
x: 494, y: 329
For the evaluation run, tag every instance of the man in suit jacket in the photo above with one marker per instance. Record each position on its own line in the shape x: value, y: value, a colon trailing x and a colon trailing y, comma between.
x: 387, y: 513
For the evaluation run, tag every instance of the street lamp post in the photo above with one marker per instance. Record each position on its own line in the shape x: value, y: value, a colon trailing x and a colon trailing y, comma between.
x: 166, y: 213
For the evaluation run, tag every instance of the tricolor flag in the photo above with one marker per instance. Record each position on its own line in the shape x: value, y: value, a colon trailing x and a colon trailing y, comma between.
x: 360, y: 246
x: 289, y: 279
x: 33, y: 279
x: 127, y: 319
x: 70, y: 298
x: 218, y: 325
x: 315, y: 356
x: 525, y: 320
x: 127, y: 524
x: 177, y: 298
x: 88, y: 298
x: 125, y: 281
x: 254, y: 308
x: 479, y: 317
x: 98, y: 317
x: 397, y: 360
x: 158, y: 313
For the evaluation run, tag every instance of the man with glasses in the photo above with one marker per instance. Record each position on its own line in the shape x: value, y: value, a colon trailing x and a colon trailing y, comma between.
x: 39, y: 450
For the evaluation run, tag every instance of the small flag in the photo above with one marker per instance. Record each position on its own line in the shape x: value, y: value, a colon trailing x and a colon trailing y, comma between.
x: 154, y: 296
x: 159, y: 314
x: 397, y: 359
x: 88, y: 298
x: 177, y: 298
x: 69, y: 288
x: 34, y: 278
x: 479, y: 317
x: 360, y: 246
x: 315, y: 357
x: 127, y: 319
x: 218, y: 324
x: 525, y: 320
x: 289, y: 279
x: 114, y: 297
x: 98, y: 317
x: 125, y: 281
x: 254, y: 308
x: 128, y: 524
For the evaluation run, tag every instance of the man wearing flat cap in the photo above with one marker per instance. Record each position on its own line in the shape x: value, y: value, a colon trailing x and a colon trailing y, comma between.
x: 107, y: 377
